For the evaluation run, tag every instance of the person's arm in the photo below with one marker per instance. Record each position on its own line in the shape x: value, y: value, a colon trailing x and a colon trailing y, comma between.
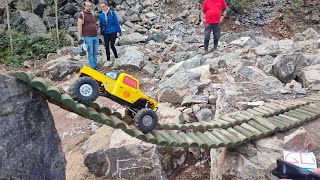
x: 203, y: 18
x: 224, y: 10
x: 100, y: 23
x: 117, y: 23
x: 223, y: 14
x: 203, y: 13
x: 80, y: 23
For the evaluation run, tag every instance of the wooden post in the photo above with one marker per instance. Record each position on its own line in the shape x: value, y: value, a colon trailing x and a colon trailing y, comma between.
x: 8, y: 22
x: 57, y: 22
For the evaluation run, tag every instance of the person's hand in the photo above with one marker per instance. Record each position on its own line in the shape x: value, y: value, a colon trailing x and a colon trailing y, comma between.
x: 221, y: 19
x: 202, y: 23
x: 316, y: 171
x: 81, y: 41
x: 118, y: 34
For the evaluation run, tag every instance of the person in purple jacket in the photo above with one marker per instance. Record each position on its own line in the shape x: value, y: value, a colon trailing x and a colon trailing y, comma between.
x: 109, y: 27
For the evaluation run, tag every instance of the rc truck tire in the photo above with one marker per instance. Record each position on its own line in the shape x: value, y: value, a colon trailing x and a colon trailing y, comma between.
x: 84, y: 90
x: 146, y: 120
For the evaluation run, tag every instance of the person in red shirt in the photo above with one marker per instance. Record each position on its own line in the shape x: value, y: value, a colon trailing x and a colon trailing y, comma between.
x: 212, y: 16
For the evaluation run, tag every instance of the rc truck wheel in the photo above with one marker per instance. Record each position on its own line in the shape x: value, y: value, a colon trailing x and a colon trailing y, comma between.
x: 146, y: 120
x: 84, y: 90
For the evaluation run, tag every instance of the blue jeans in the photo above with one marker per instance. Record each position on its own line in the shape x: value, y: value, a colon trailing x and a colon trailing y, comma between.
x: 92, y: 43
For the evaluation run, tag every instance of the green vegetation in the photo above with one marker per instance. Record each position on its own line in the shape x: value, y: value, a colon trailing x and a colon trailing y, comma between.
x: 240, y: 5
x: 27, y: 47
x: 296, y: 3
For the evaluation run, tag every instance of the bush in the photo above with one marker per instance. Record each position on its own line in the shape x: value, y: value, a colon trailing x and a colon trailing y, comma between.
x: 238, y: 6
x: 296, y: 3
x: 27, y: 47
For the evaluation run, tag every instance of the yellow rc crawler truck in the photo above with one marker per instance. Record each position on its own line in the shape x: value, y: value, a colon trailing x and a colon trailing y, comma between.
x: 121, y: 88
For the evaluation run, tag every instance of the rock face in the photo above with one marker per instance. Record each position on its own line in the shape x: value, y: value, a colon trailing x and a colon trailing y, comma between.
x: 287, y: 67
x: 30, y: 144
x: 122, y: 156
x: 31, y: 21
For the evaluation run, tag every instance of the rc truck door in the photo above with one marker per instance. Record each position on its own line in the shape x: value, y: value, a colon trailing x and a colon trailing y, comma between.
x: 129, y: 89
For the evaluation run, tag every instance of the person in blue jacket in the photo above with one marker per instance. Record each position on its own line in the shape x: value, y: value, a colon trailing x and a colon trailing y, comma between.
x: 109, y: 27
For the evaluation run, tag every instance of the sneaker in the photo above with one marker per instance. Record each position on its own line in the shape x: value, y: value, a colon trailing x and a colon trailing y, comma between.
x: 215, y: 51
x: 205, y: 52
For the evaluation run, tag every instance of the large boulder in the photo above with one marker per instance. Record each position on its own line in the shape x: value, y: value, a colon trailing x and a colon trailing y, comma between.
x: 188, y: 64
x: 181, y: 56
x: 132, y: 38
x: 168, y: 114
x: 205, y: 72
x: 205, y: 114
x: 31, y: 21
x: 310, y: 75
x: 257, y: 76
x: 231, y: 37
x: 169, y: 95
x: 265, y: 63
x: 132, y: 58
x: 183, y: 82
x: 195, y: 99
x: 285, y: 44
x: 30, y: 144
x: 268, y: 48
x: 312, y: 58
x: 38, y: 6
x: 308, y: 34
x: 120, y: 156
x: 230, y: 59
x: 287, y: 67
x: 248, y: 161
x: 64, y: 68
x: 306, y: 45
x: 133, y: 18
x: 70, y: 8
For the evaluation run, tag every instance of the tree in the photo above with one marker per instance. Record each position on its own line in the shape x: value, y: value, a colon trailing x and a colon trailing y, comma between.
x: 56, y: 16
x: 8, y: 23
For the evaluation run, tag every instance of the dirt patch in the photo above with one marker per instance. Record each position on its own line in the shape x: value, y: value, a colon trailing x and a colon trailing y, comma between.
x: 74, y: 130
x: 228, y: 25
x: 286, y: 24
x: 192, y: 169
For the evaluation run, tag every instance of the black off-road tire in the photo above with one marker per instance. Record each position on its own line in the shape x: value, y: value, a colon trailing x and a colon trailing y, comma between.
x: 84, y: 90
x: 146, y: 120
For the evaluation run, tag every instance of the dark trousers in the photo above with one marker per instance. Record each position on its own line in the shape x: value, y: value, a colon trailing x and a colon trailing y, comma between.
x: 110, y: 40
x: 215, y: 29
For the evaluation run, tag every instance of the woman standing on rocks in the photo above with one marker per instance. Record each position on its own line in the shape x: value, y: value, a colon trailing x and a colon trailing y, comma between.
x: 109, y: 27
